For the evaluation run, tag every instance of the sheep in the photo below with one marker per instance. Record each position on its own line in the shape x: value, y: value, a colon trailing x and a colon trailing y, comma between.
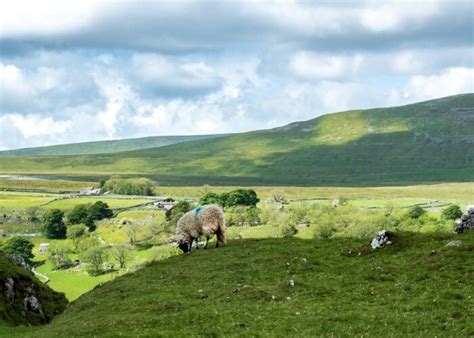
x: 202, y: 221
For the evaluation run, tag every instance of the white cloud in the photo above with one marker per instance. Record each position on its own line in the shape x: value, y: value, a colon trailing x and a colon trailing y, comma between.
x: 33, y: 125
x: 322, y: 66
x: 448, y: 82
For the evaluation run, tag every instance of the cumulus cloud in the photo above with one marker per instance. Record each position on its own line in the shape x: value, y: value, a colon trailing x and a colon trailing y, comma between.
x: 97, y: 70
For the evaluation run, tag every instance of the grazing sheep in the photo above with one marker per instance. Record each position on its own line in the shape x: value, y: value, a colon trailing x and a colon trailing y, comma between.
x: 202, y: 221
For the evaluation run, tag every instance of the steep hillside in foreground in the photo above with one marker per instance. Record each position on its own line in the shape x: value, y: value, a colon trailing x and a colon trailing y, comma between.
x: 17, y: 283
x: 105, y: 147
x: 430, y: 141
x: 415, y: 287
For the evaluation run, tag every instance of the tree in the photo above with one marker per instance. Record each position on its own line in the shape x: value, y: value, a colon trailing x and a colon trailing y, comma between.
x: 100, y: 210
x: 130, y: 186
x: 210, y: 198
x: 96, y: 257
x: 54, y: 225
x: 416, y: 212
x: 18, y: 246
x: 131, y: 232
x: 75, y: 233
x: 58, y: 255
x: 77, y: 214
x: 122, y: 254
x: 452, y: 212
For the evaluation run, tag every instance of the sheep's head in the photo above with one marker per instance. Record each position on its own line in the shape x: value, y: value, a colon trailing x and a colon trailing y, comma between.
x: 184, y: 246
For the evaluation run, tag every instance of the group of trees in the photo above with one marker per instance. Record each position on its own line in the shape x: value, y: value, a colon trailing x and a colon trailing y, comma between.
x: 129, y: 186
x: 242, y: 197
x: 85, y: 214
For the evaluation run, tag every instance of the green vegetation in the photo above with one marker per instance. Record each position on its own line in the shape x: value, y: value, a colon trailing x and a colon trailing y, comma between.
x: 130, y: 186
x: 232, y: 198
x: 54, y: 226
x: 12, y: 307
x: 89, y: 213
x: 418, y: 143
x: 415, y: 287
x: 104, y: 147
x: 18, y: 246
x: 452, y: 212
x: 416, y: 212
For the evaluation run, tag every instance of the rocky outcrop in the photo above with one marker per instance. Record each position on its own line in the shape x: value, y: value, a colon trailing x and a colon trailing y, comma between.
x: 23, y: 298
x: 466, y: 222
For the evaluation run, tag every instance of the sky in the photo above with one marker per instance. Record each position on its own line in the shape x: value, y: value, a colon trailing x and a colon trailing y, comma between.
x: 74, y: 71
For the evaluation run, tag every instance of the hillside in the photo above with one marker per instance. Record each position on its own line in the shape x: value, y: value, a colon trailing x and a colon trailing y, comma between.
x: 431, y: 141
x: 16, y: 283
x: 415, y: 287
x: 104, y: 147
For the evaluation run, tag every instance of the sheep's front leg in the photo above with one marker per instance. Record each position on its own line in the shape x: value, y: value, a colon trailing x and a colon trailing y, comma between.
x: 197, y: 243
x: 207, y: 242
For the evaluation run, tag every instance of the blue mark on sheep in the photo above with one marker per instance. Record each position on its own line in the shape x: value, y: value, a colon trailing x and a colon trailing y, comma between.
x: 197, y: 211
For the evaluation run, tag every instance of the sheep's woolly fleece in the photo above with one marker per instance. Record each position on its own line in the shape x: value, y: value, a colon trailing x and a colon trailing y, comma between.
x: 204, y: 221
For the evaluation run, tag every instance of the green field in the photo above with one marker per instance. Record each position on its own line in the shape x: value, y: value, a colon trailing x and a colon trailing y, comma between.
x: 419, y: 143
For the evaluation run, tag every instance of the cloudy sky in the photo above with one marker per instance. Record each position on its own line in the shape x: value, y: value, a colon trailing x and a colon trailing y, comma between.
x: 74, y: 71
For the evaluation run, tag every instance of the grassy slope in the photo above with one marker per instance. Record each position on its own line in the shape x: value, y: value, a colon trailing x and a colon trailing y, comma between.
x: 416, y: 287
x: 424, y: 142
x: 104, y: 147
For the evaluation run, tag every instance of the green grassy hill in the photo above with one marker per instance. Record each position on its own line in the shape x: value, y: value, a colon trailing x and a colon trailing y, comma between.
x: 431, y: 141
x: 12, y: 308
x: 104, y: 147
x: 415, y: 287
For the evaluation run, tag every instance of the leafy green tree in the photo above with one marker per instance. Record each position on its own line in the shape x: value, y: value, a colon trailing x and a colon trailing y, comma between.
x: 77, y: 214
x: 58, y: 255
x: 75, y: 233
x: 100, y: 210
x: 122, y: 253
x: 452, y: 212
x: 19, y: 246
x: 416, y: 212
x: 210, y: 198
x: 130, y: 186
x: 54, y: 225
x: 96, y: 257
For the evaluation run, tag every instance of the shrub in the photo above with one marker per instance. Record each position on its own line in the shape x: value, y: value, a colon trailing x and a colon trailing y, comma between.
x: 452, y: 212
x: 89, y: 213
x: 54, y: 226
x: 415, y: 212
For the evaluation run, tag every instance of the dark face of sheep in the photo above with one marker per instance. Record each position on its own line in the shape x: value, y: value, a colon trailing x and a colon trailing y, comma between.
x: 183, y: 246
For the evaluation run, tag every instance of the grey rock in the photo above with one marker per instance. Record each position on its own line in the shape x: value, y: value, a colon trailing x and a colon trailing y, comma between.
x: 455, y: 244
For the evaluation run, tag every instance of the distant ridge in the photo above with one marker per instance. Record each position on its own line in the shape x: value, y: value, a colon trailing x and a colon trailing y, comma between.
x: 431, y: 141
x: 104, y: 147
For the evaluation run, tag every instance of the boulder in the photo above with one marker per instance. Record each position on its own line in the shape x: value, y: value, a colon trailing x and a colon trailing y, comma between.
x: 381, y: 239
x: 455, y: 244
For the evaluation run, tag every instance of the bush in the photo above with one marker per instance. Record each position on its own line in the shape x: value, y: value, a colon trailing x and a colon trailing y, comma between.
x: 19, y: 246
x: 54, y: 226
x: 452, y: 212
x: 415, y: 212
x: 130, y: 186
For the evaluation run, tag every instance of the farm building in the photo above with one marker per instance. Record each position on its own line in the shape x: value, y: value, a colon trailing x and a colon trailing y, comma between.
x: 90, y: 191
